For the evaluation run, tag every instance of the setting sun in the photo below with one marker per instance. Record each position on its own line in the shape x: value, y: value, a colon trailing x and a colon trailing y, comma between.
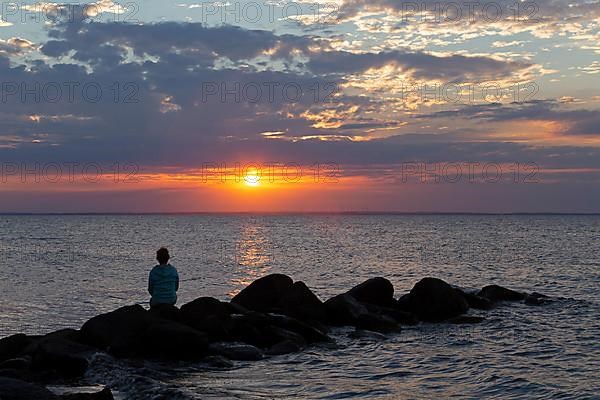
x: 252, y: 181
x: 252, y: 177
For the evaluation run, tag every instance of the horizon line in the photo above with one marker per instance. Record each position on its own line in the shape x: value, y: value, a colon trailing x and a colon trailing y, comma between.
x: 283, y: 213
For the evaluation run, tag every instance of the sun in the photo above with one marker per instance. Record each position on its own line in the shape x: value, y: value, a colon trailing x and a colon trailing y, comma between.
x: 251, y: 181
x: 252, y: 178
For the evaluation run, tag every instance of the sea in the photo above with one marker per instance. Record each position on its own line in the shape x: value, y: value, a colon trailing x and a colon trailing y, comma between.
x: 57, y: 271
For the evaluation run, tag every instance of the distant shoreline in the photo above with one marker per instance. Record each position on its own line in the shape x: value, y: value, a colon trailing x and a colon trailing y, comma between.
x: 300, y: 213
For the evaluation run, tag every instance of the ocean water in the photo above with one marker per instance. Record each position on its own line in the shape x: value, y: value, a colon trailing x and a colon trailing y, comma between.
x: 58, y: 271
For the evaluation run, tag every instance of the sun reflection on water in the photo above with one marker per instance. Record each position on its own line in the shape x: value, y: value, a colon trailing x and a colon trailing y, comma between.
x: 252, y: 255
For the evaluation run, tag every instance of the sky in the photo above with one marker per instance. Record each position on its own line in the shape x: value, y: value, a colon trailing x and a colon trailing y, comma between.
x: 329, y: 106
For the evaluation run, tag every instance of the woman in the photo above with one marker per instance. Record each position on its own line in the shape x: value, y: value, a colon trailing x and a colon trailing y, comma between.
x: 163, y: 281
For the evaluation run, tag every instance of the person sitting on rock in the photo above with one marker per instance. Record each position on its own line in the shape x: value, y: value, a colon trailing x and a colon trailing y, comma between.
x: 163, y: 281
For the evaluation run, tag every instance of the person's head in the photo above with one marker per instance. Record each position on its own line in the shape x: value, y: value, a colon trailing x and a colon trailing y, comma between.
x: 162, y: 255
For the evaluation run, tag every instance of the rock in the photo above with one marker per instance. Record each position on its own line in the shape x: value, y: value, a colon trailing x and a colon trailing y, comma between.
x: 173, y: 341
x: 218, y: 328
x: 344, y: 309
x: 236, y: 351
x: 311, y: 334
x: 204, y: 306
x: 403, y: 303
x: 60, y: 357
x: 116, y: 327
x: 432, y: 299
x: 264, y: 293
x: 379, y: 291
x: 465, y: 319
x: 283, y: 347
x: 377, y: 323
x: 300, y: 302
x: 126, y: 347
x: 12, y: 346
x: 104, y: 394
x: 247, y: 329
x: 166, y: 311
x: 19, y: 363
x: 536, y: 299
x: 364, y: 334
x: 20, y: 374
x: 279, y: 335
x: 475, y: 301
x: 209, y: 315
x: 496, y: 293
x: 401, y: 317
x: 15, y: 389
x: 234, y: 308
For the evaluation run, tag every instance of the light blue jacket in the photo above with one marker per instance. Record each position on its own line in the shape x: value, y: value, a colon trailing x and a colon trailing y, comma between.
x: 163, y: 284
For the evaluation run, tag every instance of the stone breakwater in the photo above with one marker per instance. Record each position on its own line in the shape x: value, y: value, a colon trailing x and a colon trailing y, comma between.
x: 272, y: 316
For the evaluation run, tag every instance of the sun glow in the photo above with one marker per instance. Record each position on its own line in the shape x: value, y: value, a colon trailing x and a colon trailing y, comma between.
x: 252, y: 178
x: 253, y: 182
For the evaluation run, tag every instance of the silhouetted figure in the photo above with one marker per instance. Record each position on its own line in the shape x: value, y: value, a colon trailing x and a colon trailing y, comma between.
x: 163, y: 281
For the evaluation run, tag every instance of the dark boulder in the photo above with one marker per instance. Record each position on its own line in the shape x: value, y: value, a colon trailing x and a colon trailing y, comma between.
x: 377, y: 323
x: 536, y: 299
x: 246, y: 328
x: 475, y: 301
x: 166, y: 311
x: 204, y: 306
x: 432, y: 299
x: 309, y: 332
x: 264, y: 293
x: 344, y: 309
x: 104, y: 394
x: 116, y: 327
x: 283, y: 347
x: 17, y: 373
x: 234, y: 308
x: 496, y: 293
x: 172, y: 341
x: 218, y: 328
x: 379, y: 291
x: 58, y: 357
x: 15, y: 389
x: 19, y: 363
x: 236, y: 351
x: 209, y: 315
x: 300, y: 302
x: 403, y: 303
x: 12, y: 346
x: 277, y: 335
x: 401, y: 317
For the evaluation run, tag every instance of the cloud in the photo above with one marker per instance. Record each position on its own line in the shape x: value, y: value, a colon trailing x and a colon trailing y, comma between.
x: 15, y: 46
x: 419, y: 65
x: 576, y: 122
x: 192, y: 43
x: 541, y: 18
x: 192, y: 85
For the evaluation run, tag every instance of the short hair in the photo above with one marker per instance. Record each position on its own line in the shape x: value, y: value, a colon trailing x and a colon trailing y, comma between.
x: 162, y: 255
